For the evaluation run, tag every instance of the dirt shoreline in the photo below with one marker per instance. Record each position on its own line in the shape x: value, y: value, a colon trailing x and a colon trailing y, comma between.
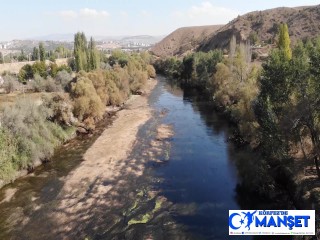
x: 104, y: 161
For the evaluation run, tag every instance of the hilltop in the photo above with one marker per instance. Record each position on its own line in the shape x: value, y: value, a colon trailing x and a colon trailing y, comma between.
x: 303, y: 22
x: 183, y: 40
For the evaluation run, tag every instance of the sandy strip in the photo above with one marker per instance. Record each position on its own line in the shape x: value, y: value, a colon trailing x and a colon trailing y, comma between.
x: 103, y: 162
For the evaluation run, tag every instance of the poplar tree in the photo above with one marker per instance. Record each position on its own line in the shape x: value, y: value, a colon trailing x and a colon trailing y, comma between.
x: 81, y: 51
x: 42, y: 52
x: 284, y: 41
x: 93, y: 55
x: 35, y: 54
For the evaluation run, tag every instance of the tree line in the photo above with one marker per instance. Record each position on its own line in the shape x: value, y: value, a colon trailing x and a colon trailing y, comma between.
x: 276, y: 106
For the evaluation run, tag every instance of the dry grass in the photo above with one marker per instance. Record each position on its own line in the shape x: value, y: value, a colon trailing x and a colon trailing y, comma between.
x: 11, y: 98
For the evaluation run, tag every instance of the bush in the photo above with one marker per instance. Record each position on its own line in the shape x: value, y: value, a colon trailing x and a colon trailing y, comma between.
x: 87, y: 103
x: 10, y: 83
x: 151, y: 71
x: 25, y: 73
x: 137, y: 77
x: 9, y: 156
x: 61, y: 107
x: 53, y: 69
x: 50, y: 85
x: 40, y: 68
x: 36, y: 137
x: 63, y: 78
x: 38, y: 83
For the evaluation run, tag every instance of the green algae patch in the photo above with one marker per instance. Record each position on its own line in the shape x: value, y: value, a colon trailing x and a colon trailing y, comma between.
x: 149, y: 215
x: 144, y: 219
x: 134, y: 206
x: 158, y: 204
x: 140, y: 193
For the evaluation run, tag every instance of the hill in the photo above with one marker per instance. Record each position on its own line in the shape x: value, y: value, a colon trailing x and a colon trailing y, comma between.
x: 303, y: 22
x: 183, y: 40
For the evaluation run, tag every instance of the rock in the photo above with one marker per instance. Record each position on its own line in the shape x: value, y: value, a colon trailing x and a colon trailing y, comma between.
x: 82, y: 130
x: 140, y: 92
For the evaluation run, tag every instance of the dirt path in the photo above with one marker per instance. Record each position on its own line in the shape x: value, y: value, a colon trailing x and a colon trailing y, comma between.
x: 104, y: 161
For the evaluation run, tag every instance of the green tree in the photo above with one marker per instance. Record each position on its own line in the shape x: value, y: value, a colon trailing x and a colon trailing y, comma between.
x: 88, y: 106
x: 253, y: 37
x: 306, y: 87
x: 94, y: 59
x: 40, y: 68
x: 284, y: 41
x: 272, y: 104
x: 81, y: 52
x: 22, y: 56
x: 35, y: 54
x: 25, y: 73
x: 42, y: 52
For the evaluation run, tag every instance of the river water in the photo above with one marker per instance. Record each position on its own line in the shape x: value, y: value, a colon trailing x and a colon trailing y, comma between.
x: 198, y: 181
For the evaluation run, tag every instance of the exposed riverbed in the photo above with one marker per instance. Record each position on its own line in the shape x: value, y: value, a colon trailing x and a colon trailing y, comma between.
x: 178, y: 182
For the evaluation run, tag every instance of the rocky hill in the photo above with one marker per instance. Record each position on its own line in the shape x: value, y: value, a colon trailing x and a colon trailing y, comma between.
x: 262, y: 26
x: 183, y: 40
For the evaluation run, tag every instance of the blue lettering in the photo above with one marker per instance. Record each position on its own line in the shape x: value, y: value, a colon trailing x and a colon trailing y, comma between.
x: 262, y: 223
x: 271, y: 223
x: 290, y: 222
x: 283, y: 221
x: 297, y: 222
x: 305, y: 220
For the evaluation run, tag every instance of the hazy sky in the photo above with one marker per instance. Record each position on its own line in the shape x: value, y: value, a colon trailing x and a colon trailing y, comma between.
x: 25, y: 19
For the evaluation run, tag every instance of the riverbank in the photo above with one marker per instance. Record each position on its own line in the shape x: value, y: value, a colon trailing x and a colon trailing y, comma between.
x: 104, y: 161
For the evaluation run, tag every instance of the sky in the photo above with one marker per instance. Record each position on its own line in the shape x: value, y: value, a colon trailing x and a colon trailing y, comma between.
x: 21, y: 19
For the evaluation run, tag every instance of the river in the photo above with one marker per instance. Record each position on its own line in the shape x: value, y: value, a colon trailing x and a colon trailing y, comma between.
x: 198, y: 181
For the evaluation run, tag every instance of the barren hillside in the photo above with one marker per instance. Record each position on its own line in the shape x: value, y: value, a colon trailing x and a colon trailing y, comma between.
x: 183, y: 40
x: 303, y: 22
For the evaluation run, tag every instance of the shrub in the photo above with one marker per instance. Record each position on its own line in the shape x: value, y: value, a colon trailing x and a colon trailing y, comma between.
x: 38, y: 83
x: 61, y: 107
x: 36, y: 136
x: 40, y: 68
x: 63, y: 78
x: 51, y: 85
x: 87, y: 103
x: 151, y: 71
x: 10, y: 83
x: 25, y: 73
x: 9, y: 156
x: 53, y: 69
x: 137, y: 77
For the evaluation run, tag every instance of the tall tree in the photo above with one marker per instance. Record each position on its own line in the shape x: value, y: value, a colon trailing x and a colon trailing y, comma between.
x: 284, y: 41
x: 94, y: 60
x: 22, y: 56
x: 273, y: 102
x: 1, y: 58
x: 42, y: 52
x: 81, y: 51
x: 306, y: 87
x: 35, y: 54
x: 232, y: 46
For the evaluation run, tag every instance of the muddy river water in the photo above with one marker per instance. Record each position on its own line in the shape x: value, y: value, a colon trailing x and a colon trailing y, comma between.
x: 185, y: 195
